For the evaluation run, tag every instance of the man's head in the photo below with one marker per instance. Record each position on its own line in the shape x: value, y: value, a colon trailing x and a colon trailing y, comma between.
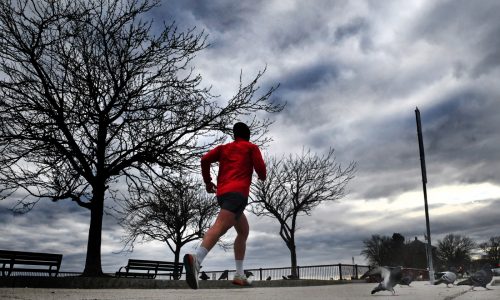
x: 241, y: 130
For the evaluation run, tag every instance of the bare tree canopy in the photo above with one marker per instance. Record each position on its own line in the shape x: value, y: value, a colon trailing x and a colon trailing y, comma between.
x: 381, y: 250
x: 454, y: 250
x: 88, y: 94
x: 295, y: 185
x: 377, y: 250
x: 492, y: 250
x: 176, y: 211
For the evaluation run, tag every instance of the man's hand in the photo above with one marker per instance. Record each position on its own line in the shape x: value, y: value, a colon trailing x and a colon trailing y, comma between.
x: 211, y: 188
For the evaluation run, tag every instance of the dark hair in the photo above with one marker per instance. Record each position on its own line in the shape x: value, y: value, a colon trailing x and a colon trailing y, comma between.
x: 241, y: 130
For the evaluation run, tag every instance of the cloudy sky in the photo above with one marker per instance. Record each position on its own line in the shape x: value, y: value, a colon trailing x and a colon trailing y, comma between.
x: 352, y: 74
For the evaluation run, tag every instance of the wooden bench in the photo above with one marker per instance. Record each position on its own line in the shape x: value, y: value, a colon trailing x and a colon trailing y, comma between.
x: 150, y: 269
x: 19, y: 261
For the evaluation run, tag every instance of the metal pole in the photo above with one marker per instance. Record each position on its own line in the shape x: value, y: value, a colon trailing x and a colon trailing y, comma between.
x: 424, y: 185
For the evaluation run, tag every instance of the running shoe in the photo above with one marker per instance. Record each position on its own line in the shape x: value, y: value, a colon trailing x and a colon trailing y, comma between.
x: 191, y: 266
x: 240, y: 280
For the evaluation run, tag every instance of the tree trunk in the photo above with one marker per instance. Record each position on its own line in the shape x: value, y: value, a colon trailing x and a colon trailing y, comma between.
x: 177, y: 255
x: 293, y: 257
x: 93, y: 267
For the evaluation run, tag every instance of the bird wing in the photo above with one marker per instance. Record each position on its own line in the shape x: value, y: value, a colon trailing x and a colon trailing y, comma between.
x: 385, y: 274
x: 449, y: 277
x: 382, y: 271
x: 481, y: 277
x: 394, y: 276
x: 467, y: 281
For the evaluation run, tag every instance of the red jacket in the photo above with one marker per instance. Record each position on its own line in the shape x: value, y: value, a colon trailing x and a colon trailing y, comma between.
x: 237, y: 160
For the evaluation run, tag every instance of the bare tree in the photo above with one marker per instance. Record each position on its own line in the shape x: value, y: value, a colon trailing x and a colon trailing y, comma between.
x: 295, y: 185
x: 377, y: 250
x: 88, y: 95
x: 492, y: 250
x: 177, y: 211
x: 383, y: 250
x: 454, y: 250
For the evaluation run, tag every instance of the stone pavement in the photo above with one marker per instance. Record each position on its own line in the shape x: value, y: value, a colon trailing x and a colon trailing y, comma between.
x: 417, y: 291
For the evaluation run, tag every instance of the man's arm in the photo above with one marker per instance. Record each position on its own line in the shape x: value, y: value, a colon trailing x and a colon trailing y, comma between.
x: 258, y: 164
x: 207, y: 159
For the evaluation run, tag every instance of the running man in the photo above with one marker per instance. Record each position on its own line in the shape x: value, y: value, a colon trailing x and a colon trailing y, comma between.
x: 237, y: 160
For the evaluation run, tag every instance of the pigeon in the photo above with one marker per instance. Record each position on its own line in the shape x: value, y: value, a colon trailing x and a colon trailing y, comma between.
x: 223, y: 275
x: 447, y: 278
x: 284, y: 277
x: 390, y: 277
x: 480, y: 278
x: 406, y: 280
x: 268, y: 278
x: 204, y: 276
x: 248, y: 273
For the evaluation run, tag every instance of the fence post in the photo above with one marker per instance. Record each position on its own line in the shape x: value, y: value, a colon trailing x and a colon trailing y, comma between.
x: 298, y: 272
x: 356, y: 271
x: 340, y: 271
x: 260, y: 272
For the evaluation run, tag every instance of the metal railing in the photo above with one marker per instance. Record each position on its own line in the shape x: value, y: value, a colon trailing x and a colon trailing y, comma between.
x: 46, y: 274
x: 318, y: 272
x: 315, y: 272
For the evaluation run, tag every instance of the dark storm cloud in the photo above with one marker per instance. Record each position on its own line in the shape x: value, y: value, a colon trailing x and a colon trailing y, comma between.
x: 42, y: 229
x: 462, y: 132
x: 454, y: 126
x: 354, y: 27
x: 479, y: 223
x: 352, y: 73
x: 306, y: 78
x: 218, y: 15
x: 387, y: 151
x: 465, y: 24
x: 491, y: 59
x: 346, y: 236
x: 60, y: 227
x: 357, y: 27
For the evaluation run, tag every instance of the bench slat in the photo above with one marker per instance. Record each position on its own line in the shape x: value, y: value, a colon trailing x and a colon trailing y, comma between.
x: 14, y: 260
x: 32, y: 270
x: 31, y: 262
x: 151, y: 268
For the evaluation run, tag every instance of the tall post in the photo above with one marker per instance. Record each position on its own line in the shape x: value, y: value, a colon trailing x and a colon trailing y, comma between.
x: 424, y: 185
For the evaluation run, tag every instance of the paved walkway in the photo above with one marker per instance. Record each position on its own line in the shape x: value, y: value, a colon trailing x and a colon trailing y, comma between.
x: 417, y: 291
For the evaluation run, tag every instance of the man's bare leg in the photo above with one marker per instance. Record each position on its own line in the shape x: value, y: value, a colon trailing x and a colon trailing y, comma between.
x: 225, y: 220
x: 240, y: 243
x: 192, y: 263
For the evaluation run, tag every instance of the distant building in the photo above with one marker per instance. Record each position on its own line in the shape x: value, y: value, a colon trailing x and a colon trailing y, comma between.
x: 416, y: 254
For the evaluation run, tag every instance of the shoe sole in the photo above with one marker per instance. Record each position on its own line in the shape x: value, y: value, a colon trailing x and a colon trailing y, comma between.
x: 188, y: 266
x: 241, y: 283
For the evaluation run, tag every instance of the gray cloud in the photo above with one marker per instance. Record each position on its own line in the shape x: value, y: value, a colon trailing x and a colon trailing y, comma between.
x: 219, y: 15
x: 352, y: 74
x: 463, y: 25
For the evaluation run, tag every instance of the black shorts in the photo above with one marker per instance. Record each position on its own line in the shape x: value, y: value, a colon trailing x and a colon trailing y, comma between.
x: 234, y: 202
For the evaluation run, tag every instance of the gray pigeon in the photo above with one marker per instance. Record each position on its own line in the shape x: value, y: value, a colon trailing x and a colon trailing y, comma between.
x: 268, y: 278
x: 248, y: 273
x: 447, y: 278
x: 204, y: 276
x: 223, y: 275
x: 480, y: 278
x: 390, y: 277
x: 406, y: 280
